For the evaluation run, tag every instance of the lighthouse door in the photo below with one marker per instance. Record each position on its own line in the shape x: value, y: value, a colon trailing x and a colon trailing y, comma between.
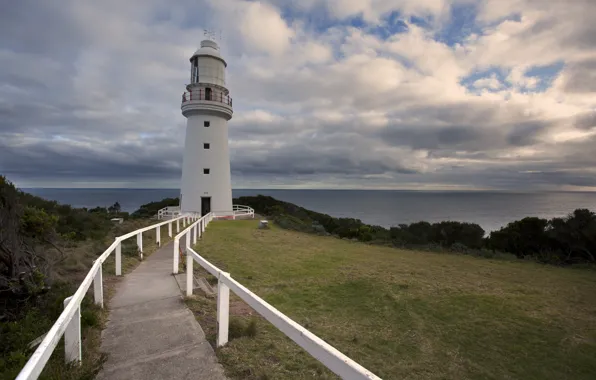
x: 205, y: 205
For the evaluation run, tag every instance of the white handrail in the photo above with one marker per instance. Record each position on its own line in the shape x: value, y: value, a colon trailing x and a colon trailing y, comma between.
x: 198, y: 227
x: 237, y: 210
x: 69, y: 326
x: 328, y: 355
x: 168, y: 211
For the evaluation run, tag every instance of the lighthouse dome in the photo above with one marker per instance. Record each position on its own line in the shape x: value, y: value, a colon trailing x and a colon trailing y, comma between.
x: 209, y: 49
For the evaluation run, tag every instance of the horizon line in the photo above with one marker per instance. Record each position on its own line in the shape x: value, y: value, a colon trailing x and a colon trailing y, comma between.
x: 323, y: 189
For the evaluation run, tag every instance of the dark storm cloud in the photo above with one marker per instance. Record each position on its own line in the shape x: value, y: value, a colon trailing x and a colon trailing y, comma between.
x: 467, y: 138
x: 420, y: 137
x: 29, y: 26
x: 586, y: 121
x: 525, y: 134
x: 56, y: 160
x: 581, y: 77
x: 303, y: 160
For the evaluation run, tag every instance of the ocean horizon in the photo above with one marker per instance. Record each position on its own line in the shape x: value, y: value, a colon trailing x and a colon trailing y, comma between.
x: 490, y: 209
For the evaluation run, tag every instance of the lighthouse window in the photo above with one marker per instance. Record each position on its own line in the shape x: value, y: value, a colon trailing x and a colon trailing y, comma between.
x: 206, y: 171
x: 206, y: 123
x: 206, y: 146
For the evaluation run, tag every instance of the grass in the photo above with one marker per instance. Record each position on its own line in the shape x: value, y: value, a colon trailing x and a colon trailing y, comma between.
x: 67, y: 276
x: 401, y: 314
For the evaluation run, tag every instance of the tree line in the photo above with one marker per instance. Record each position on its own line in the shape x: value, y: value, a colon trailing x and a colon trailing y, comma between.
x: 560, y: 241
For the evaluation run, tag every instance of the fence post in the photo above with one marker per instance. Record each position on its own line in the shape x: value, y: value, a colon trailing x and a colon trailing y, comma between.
x: 223, y: 310
x: 203, y: 226
x: 195, y: 230
x: 177, y: 225
x: 72, y: 337
x: 175, y: 257
x: 140, y: 244
x: 158, y: 235
x: 98, y: 286
x: 170, y: 229
x: 188, y: 238
x: 119, y: 259
x: 189, y: 273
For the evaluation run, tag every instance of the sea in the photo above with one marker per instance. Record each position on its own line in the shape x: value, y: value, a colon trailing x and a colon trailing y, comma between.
x: 490, y: 209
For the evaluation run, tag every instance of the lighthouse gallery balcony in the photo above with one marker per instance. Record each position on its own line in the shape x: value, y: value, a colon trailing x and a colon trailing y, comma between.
x: 196, y: 95
x: 206, y: 99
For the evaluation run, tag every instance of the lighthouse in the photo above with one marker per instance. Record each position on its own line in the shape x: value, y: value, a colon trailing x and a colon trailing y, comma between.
x: 207, y: 105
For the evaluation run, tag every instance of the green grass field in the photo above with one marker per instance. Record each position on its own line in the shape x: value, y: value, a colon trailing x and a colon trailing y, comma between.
x: 401, y: 314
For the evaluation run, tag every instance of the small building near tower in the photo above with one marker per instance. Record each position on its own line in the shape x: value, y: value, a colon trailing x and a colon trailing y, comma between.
x: 207, y: 105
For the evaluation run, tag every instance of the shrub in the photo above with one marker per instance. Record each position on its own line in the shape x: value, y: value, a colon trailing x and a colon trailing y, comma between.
x: 149, y: 210
x: 238, y: 328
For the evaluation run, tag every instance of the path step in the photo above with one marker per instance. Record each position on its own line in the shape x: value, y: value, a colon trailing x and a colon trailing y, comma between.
x: 199, y: 283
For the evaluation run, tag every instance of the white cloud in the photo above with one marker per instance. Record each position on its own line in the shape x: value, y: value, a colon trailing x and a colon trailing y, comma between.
x: 263, y: 28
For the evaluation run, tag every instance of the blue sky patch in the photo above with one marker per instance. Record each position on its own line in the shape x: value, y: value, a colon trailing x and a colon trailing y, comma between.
x: 545, y: 74
x: 498, y: 72
x: 462, y: 24
x: 390, y: 25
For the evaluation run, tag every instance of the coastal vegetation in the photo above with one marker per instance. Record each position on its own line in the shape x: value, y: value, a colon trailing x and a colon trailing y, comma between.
x: 398, y: 312
x: 46, y: 249
x: 560, y: 241
x: 149, y: 210
x: 383, y: 303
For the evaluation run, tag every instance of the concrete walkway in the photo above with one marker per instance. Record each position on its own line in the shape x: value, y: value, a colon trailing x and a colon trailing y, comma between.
x: 150, y: 333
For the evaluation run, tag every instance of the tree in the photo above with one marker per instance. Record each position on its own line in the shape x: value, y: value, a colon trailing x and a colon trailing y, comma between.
x: 114, y: 209
x: 574, y: 237
x: 28, y: 242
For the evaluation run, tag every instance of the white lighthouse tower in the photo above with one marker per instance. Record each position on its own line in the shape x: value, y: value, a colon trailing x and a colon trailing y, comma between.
x: 206, y: 184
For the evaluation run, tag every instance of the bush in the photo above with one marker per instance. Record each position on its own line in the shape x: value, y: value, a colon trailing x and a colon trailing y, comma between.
x: 149, y: 210
x: 238, y: 328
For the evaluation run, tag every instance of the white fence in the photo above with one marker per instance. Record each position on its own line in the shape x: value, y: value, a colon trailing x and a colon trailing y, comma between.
x: 337, y: 362
x: 69, y: 322
x: 238, y: 211
x: 193, y: 231
x: 168, y: 212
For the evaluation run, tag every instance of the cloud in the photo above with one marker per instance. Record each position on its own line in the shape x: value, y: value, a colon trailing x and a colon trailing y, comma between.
x: 340, y: 93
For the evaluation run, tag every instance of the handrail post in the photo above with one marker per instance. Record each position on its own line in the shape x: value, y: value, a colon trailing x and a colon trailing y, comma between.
x: 98, y: 287
x: 119, y: 259
x: 175, y: 257
x: 140, y: 244
x: 189, y: 273
x: 203, y: 226
x: 223, y: 310
x: 195, y: 229
x: 170, y: 229
x: 158, y: 235
x: 188, y: 238
x: 177, y: 225
x: 72, y: 337
x: 183, y: 221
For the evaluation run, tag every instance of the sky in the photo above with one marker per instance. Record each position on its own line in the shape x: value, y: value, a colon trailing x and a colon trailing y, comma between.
x: 360, y: 94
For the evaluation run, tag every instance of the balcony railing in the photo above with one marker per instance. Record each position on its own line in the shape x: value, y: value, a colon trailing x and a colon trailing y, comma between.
x: 202, y: 94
